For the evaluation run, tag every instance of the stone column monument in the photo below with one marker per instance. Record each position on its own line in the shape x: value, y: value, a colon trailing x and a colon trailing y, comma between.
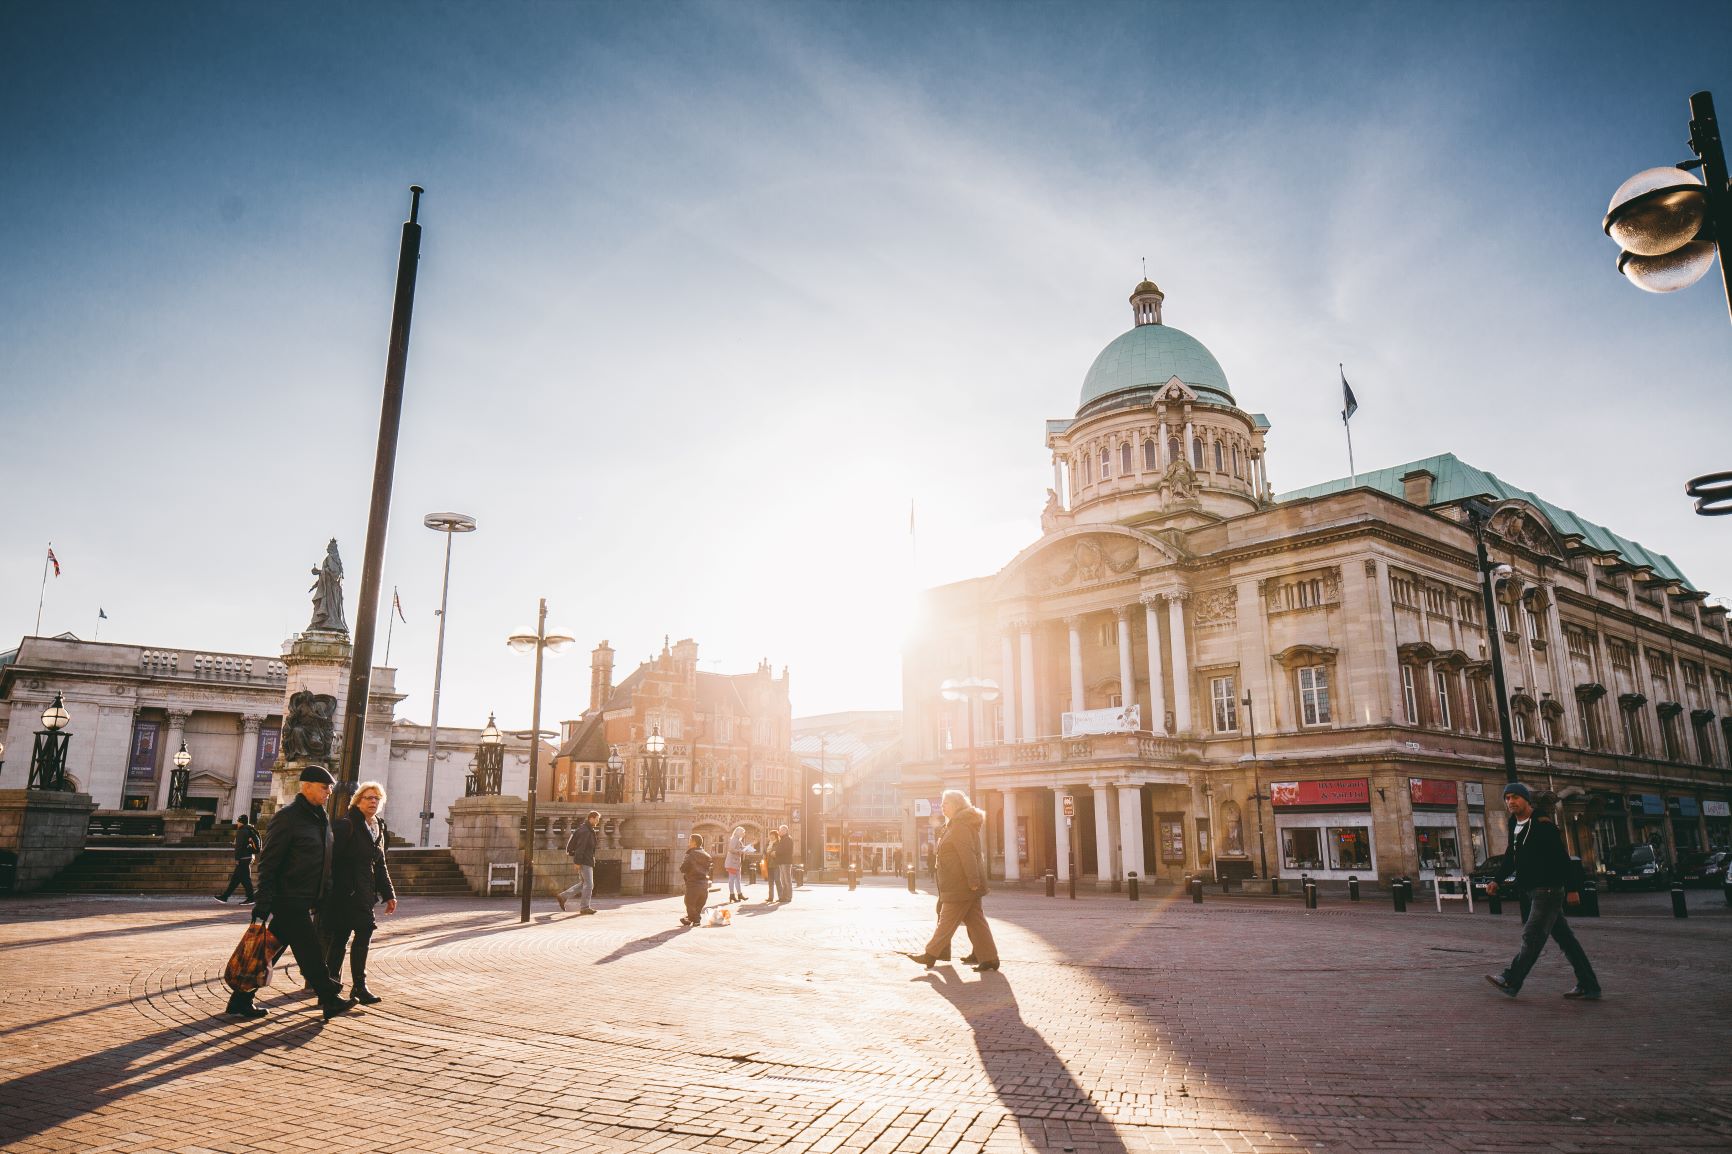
x: 317, y: 683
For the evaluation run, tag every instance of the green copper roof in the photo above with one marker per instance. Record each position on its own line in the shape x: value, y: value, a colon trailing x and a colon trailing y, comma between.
x: 1456, y: 480
x: 1153, y: 355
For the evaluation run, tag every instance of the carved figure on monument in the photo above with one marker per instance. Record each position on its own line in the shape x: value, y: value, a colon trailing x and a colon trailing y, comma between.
x: 1181, y: 479
x: 1049, y: 513
x: 327, y: 591
x: 307, y: 728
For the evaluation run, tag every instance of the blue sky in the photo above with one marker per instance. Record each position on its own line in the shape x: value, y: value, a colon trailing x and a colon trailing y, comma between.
x: 709, y: 293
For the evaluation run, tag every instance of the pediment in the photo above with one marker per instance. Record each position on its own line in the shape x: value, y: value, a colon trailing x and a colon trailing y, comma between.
x: 1176, y: 391
x: 1521, y: 523
x: 1078, y: 558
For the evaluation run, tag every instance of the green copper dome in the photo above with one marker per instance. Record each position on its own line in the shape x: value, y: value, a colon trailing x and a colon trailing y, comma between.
x: 1151, y: 355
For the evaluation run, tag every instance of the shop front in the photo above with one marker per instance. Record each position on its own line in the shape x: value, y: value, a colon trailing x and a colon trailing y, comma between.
x: 1648, y: 821
x: 1324, y: 828
x: 1686, y: 815
x: 1436, y: 834
x: 1478, y: 847
x: 1718, y: 819
x: 1611, y: 826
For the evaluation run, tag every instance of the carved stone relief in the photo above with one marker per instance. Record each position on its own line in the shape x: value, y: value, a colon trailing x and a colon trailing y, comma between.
x: 1217, y: 607
x: 1090, y: 560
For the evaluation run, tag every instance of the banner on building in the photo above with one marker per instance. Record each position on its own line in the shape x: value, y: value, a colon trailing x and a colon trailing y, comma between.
x: 1431, y: 791
x: 1329, y: 793
x: 270, y: 741
x: 141, y: 766
x: 1128, y: 719
x: 1716, y: 809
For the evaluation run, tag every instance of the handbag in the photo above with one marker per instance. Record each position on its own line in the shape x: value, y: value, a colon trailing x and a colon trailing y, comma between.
x: 249, y: 967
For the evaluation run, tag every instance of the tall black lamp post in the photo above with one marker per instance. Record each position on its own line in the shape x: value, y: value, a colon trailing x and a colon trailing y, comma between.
x: 1669, y: 222
x: 969, y: 690
x: 48, y: 759
x: 1479, y: 514
x: 178, y: 778
x: 539, y: 642
x: 1257, y: 793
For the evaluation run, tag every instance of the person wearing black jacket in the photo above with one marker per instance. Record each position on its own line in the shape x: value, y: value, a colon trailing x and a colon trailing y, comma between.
x: 359, y: 881
x: 246, y: 846
x: 696, y: 870
x: 782, y: 867
x: 1541, y: 867
x: 581, y: 848
x: 294, y: 875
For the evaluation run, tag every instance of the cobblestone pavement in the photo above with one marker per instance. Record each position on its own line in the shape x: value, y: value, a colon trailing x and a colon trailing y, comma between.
x: 1237, y: 1025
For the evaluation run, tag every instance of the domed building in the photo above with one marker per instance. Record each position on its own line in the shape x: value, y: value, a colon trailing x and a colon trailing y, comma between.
x: 1212, y: 679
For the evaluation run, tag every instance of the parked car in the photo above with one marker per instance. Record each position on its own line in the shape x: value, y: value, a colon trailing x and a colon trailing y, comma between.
x: 1637, y: 867
x: 1703, y: 869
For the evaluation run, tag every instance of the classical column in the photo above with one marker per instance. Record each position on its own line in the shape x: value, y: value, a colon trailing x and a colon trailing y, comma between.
x: 1074, y: 624
x: 1104, y: 834
x: 1127, y: 672
x: 176, y: 734
x: 1181, y: 663
x: 1161, y: 447
x: 1131, y: 828
x: 1061, y: 835
x: 1012, y: 864
x: 1157, y: 691
x: 1190, y: 434
x: 1007, y: 685
x: 1026, y: 630
x: 246, y: 763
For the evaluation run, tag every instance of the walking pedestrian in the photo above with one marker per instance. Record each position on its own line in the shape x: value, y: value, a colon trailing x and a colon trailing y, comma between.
x: 246, y: 848
x: 731, y: 863
x: 294, y: 876
x: 359, y: 881
x: 581, y: 847
x: 696, y: 870
x: 961, y: 885
x: 783, y: 865
x: 767, y: 864
x: 1541, y: 866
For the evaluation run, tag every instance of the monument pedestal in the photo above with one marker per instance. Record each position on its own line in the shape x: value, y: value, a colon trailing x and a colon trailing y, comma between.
x: 318, y: 662
x: 41, y: 831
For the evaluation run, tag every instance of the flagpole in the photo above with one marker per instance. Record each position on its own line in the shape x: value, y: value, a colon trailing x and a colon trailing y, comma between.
x: 1354, y: 482
x: 98, y: 632
x: 390, y: 624
x: 1348, y: 407
x: 43, y: 592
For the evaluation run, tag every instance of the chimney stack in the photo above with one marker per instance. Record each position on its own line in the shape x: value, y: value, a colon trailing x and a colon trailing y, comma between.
x: 600, y: 675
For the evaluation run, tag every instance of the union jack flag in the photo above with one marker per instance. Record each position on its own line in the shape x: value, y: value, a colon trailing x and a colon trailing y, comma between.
x: 53, y: 560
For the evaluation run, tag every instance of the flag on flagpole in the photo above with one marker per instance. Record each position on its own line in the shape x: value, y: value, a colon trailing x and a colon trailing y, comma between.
x: 1349, y: 406
x: 398, y: 606
x: 101, y: 616
x: 53, y: 560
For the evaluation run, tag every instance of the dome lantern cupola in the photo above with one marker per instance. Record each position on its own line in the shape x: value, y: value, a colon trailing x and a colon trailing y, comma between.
x: 1146, y: 301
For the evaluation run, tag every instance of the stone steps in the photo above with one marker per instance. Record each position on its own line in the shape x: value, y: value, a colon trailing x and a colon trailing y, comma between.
x: 160, y: 870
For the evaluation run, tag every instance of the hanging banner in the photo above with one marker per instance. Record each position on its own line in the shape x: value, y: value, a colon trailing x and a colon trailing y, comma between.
x: 141, y: 766
x: 1716, y: 809
x: 270, y: 741
x: 1126, y: 720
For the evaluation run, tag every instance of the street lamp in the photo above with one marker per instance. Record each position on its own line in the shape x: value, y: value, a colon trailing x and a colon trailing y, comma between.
x: 539, y: 642
x: 655, y: 786
x: 613, y: 793
x: 1479, y: 513
x: 970, y: 690
x: 489, y: 761
x: 48, y: 758
x: 1257, y: 793
x: 178, y: 778
x: 1669, y: 222
x: 449, y: 524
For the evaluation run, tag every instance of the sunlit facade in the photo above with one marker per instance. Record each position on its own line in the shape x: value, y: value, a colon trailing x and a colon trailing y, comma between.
x: 1218, y: 677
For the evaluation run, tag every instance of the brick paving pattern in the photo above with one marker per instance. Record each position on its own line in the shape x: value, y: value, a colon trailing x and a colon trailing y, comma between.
x: 1157, y: 1026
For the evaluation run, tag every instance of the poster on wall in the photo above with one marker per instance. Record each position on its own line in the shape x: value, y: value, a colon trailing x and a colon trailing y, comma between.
x: 1022, y: 839
x: 1716, y: 809
x: 270, y: 741
x: 141, y: 766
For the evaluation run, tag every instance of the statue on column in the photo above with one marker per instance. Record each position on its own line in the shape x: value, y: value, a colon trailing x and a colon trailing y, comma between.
x: 307, y: 730
x: 327, y: 591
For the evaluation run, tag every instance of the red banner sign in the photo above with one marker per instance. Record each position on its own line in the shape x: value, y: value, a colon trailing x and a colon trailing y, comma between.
x: 1337, y: 791
x: 1431, y: 791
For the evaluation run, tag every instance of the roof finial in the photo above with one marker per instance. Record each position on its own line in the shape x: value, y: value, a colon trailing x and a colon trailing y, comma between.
x: 1146, y: 299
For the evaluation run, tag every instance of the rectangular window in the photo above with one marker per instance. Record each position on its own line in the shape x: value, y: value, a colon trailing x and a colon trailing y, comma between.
x: 1443, y: 712
x: 1438, y: 850
x: 1302, y: 849
x: 1704, y: 745
x: 1115, y: 701
x: 1314, y: 695
x: 1106, y: 464
x: 1226, y: 704
x: 1349, y: 847
x: 583, y: 778
x: 1634, y: 741
x: 1591, y: 726
x: 1468, y: 608
x: 1409, y: 699
x: 1621, y: 656
x: 1577, y: 640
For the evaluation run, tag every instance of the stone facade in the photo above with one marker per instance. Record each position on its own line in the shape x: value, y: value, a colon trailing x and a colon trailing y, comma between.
x: 1218, y: 677
x: 41, y: 831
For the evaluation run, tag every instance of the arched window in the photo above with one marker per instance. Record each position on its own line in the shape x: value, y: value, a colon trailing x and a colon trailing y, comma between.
x: 1088, y: 470
x: 1236, y: 471
x: 1150, y: 462
x: 1220, y: 462
x: 1174, y: 452
x: 1106, y: 463
x: 1125, y: 459
x: 1197, y: 452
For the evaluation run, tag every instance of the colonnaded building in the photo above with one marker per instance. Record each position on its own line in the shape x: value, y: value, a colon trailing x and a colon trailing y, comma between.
x: 1225, y: 681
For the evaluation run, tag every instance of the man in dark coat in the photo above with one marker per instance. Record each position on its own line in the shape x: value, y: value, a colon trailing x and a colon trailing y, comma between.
x: 581, y: 847
x: 294, y: 874
x: 782, y: 867
x: 696, y: 870
x: 1541, y: 866
x: 359, y: 881
x: 246, y: 847
x: 961, y: 885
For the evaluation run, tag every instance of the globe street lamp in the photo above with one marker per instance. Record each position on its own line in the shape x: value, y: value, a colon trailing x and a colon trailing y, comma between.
x: 970, y: 690
x: 48, y: 759
x: 539, y: 643
x: 489, y: 761
x: 655, y: 766
x: 614, y: 791
x: 1669, y: 223
x: 449, y: 524
x: 178, y: 778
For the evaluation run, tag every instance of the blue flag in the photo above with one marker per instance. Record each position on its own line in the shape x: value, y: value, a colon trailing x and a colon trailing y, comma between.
x: 1349, y: 406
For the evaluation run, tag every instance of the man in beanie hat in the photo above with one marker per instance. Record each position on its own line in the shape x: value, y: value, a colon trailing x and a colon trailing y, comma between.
x: 294, y: 873
x: 1541, y: 866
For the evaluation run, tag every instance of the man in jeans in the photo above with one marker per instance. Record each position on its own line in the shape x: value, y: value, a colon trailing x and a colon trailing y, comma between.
x: 581, y: 847
x: 1541, y: 866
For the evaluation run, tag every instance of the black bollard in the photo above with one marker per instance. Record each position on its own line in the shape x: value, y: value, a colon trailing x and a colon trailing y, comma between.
x: 1310, y: 895
x: 1226, y: 884
x: 1196, y: 891
x: 1352, y: 887
x: 1590, y: 907
x: 1131, y: 884
x: 799, y: 875
x: 853, y: 879
x: 1679, y: 909
x: 1051, y: 885
x: 1398, y: 895
x: 911, y: 879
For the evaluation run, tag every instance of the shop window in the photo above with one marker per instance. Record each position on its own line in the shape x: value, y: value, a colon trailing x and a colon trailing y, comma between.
x: 1409, y: 698
x: 1302, y: 849
x: 1314, y: 695
x: 1151, y: 460
x: 1476, y: 840
x: 1438, y: 850
x: 1125, y: 459
x: 1225, y: 704
x: 1349, y: 847
x: 1444, y: 714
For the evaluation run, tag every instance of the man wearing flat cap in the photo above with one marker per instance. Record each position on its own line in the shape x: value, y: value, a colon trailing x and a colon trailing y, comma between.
x: 294, y: 874
x: 1541, y: 866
